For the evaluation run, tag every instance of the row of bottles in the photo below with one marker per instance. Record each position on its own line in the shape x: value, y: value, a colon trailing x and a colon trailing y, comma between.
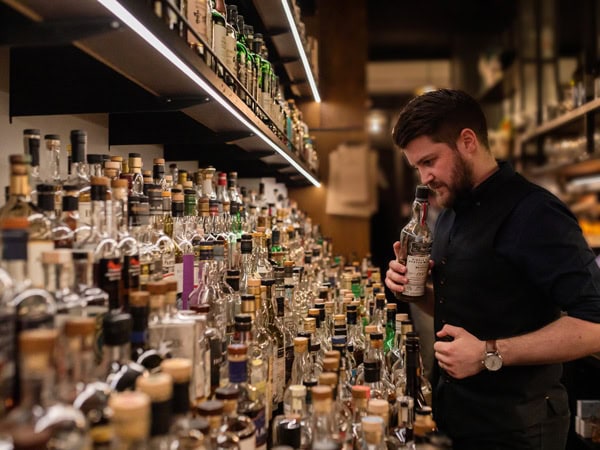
x: 214, y: 318
x: 240, y: 57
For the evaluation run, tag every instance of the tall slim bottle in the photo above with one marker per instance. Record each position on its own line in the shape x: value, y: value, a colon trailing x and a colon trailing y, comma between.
x: 415, y: 248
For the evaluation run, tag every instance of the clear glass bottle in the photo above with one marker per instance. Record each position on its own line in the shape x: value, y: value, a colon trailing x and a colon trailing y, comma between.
x: 302, y: 363
x: 64, y: 231
x: 79, y: 174
x: 107, y: 258
x: 19, y: 204
x: 415, y: 248
x: 373, y: 435
x: 323, y: 418
x: 39, y: 420
x: 159, y: 388
x: 293, y: 427
x: 127, y: 244
x: 212, y: 411
x: 135, y: 168
x: 53, y: 148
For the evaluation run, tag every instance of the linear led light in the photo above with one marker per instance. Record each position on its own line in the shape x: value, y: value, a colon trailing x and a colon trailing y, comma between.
x: 307, y: 69
x: 123, y: 14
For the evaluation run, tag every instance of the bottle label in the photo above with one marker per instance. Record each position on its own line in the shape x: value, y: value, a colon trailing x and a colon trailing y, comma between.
x: 216, y: 358
x: 85, y: 212
x: 108, y: 277
x: 178, y: 271
x: 220, y: 42
x: 261, y: 429
x: 35, y: 248
x: 279, y: 376
x: 7, y: 365
x: 238, y: 371
x: 131, y: 272
x: 248, y: 443
x: 417, y: 267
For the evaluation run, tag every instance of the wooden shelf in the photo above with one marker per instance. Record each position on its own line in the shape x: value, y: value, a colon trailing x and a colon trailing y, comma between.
x: 561, y: 121
x: 276, y: 24
x: 200, y: 93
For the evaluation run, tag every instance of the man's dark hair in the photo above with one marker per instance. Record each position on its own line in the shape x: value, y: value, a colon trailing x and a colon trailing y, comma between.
x: 440, y: 115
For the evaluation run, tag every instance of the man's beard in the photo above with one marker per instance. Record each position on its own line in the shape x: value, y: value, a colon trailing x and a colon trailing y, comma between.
x: 461, y: 182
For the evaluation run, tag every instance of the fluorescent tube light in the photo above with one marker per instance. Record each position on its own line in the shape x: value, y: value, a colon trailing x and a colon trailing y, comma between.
x: 132, y: 22
x: 307, y: 69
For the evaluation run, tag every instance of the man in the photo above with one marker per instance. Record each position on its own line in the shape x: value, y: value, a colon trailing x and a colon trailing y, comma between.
x: 507, y: 258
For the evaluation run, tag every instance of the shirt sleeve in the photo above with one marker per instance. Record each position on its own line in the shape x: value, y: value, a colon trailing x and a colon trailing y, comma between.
x: 543, y: 239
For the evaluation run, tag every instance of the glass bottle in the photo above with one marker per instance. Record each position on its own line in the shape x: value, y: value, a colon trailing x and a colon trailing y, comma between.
x: 415, y: 248
x: 302, y: 363
x: 107, y: 260
x: 39, y: 420
x: 127, y: 244
x: 159, y: 388
x: 135, y: 168
x: 360, y: 399
x: 288, y: 339
x: 373, y: 435
x: 130, y: 420
x: 184, y: 252
x: 53, y: 148
x: 31, y: 145
x: 212, y: 410
x: 19, y: 204
x: 413, y: 371
x: 64, y: 231
x: 79, y: 174
x: 139, y: 310
x: 293, y: 427
x: 390, y: 328
x: 323, y: 419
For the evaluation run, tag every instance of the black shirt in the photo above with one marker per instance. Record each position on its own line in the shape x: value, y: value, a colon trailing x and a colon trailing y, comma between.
x: 508, y: 258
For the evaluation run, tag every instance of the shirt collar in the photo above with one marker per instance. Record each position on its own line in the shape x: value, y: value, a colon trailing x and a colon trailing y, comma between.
x: 485, y: 189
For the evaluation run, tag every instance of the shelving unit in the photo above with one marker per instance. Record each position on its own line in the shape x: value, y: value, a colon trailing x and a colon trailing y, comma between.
x: 275, y: 20
x: 154, y: 71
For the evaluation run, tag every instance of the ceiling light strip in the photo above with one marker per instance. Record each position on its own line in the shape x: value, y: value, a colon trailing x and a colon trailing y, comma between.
x: 123, y: 14
x: 307, y: 68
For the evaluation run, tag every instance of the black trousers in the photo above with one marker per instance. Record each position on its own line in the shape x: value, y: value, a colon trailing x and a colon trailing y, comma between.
x: 549, y: 435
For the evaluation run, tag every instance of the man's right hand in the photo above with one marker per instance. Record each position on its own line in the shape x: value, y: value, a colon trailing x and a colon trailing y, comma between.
x: 395, y: 277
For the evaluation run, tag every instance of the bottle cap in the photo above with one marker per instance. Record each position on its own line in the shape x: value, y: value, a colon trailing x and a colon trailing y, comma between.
x: 328, y: 379
x: 297, y: 390
x: 360, y: 391
x: 80, y: 326
x: 378, y: 406
x: 237, y: 349
x: 227, y: 393
x: 158, y: 386
x: 117, y: 329
x: 372, y: 424
x: 321, y: 392
x: 331, y: 364
x: 139, y: 298
x: 58, y: 257
x: 210, y: 408
x: 157, y: 287
x: 422, y: 193
x: 180, y: 369
x: 370, y: 329
x: 300, y: 344
x: 40, y: 340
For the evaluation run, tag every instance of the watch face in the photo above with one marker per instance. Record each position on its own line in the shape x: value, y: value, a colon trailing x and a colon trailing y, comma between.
x: 493, y: 361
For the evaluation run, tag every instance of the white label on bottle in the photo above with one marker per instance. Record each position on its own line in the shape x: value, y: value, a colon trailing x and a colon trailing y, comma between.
x: 248, y: 444
x: 220, y: 42
x: 35, y: 248
x: 417, y: 267
x: 230, y: 52
x: 85, y: 213
x: 178, y: 270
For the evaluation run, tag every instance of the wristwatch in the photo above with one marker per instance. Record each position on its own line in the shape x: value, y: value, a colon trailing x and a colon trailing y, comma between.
x: 492, y: 360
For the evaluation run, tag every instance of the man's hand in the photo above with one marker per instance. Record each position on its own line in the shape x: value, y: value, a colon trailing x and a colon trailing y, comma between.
x: 395, y: 277
x: 460, y: 354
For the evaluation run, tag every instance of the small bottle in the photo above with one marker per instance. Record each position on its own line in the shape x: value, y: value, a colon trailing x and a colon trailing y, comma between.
x: 415, y: 248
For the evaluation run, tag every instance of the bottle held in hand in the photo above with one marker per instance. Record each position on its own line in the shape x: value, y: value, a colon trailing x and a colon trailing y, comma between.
x: 415, y: 248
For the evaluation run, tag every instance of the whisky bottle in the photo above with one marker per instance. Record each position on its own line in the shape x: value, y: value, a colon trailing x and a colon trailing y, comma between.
x: 130, y: 420
x: 53, y: 148
x: 415, y: 248
x: 159, y: 387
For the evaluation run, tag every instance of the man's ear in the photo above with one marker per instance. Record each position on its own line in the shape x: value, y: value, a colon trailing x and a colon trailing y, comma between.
x: 467, y: 142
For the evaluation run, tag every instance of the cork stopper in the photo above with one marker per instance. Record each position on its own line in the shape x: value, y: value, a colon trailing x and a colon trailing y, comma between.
x: 331, y: 364
x: 361, y: 392
x: 335, y: 354
x: 378, y: 407
x: 157, y: 287
x: 310, y: 324
x: 158, y: 161
x: 139, y: 299
x: 321, y: 392
x: 116, y: 158
x: 166, y: 194
x: 60, y: 256
x: 329, y: 307
x: 314, y: 312
x: 370, y: 329
x: 380, y: 296
x: 177, y: 197
x: 119, y: 183
x: 158, y: 386
x: 80, y: 326
x: 297, y: 390
x: 130, y: 414
x: 300, y: 344
x: 39, y: 340
x: 328, y: 379
x: 99, y: 181
x: 112, y: 165
x: 227, y: 393
x: 391, y: 306
x: 339, y: 319
x: 210, y: 408
x: 180, y: 369
x: 254, y: 282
